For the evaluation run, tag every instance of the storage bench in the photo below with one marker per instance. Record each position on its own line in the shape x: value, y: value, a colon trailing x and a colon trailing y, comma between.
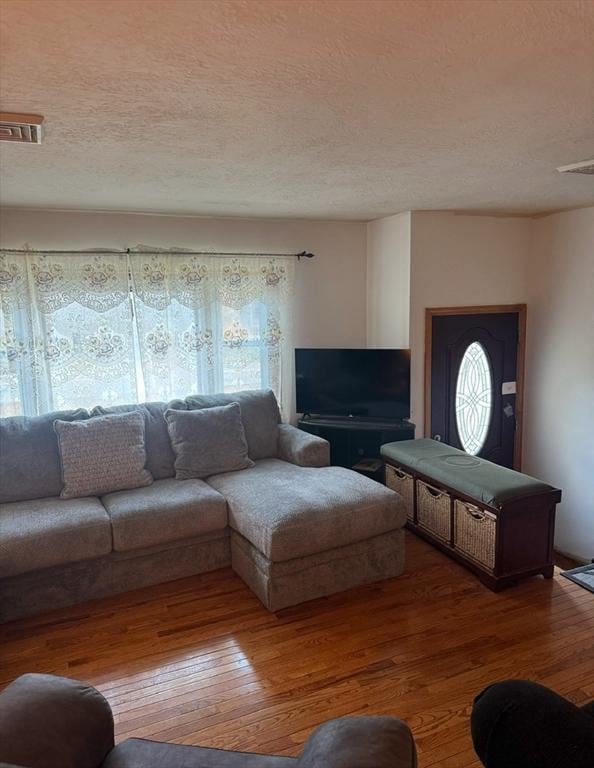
x: 497, y: 522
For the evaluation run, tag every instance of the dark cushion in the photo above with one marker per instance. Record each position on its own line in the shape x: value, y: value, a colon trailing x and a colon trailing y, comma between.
x: 53, y: 722
x: 478, y: 478
x: 521, y: 724
x: 208, y: 441
x: 29, y: 456
x: 142, y: 753
x: 168, y: 510
x: 260, y: 415
x: 159, y: 453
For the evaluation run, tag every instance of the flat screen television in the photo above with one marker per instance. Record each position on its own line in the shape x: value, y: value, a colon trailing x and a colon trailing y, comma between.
x: 363, y: 383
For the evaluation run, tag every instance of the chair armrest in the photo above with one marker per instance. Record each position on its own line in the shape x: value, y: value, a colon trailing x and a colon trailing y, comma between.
x: 360, y: 742
x: 299, y: 447
x: 53, y: 722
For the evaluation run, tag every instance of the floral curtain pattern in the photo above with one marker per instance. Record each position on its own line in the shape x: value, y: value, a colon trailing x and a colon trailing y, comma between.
x: 64, y: 332
x: 106, y: 328
x: 212, y: 324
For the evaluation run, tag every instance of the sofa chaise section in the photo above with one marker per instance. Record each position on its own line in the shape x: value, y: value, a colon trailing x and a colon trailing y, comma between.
x: 303, y: 532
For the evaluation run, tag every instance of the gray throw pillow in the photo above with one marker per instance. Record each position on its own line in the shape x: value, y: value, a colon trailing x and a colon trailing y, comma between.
x: 102, y: 454
x: 208, y: 441
x: 259, y: 413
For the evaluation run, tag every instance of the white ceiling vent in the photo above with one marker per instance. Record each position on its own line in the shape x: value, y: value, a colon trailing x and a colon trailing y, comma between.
x: 24, y: 129
x: 586, y: 166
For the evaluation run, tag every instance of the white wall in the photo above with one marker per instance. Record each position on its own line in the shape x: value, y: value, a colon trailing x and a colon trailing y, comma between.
x: 451, y: 260
x: 460, y: 260
x: 330, y: 289
x: 548, y: 263
x: 388, y: 281
x: 559, y: 409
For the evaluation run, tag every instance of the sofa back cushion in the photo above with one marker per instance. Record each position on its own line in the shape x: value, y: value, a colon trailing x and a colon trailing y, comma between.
x: 260, y: 415
x: 102, y: 455
x: 29, y: 456
x: 159, y: 453
x: 208, y: 441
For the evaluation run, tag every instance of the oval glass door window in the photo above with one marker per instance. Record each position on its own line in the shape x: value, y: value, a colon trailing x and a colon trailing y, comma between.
x: 474, y: 398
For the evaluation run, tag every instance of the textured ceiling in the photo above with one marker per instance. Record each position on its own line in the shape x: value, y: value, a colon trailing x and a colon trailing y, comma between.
x: 320, y: 109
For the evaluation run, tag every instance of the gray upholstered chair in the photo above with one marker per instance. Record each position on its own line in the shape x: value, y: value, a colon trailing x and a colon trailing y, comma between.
x: 54, y: 722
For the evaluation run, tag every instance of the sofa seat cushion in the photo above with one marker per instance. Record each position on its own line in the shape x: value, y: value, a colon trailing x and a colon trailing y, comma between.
x: 279, y: 585
x: 287, y: 511
x: 41, y: 533
x: 142, y: 753
x: 167, y: 510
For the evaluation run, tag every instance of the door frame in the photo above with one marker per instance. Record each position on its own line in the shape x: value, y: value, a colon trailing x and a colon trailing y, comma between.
x: 493, y: 309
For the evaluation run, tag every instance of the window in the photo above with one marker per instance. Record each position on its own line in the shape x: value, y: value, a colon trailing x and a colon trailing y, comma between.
x: 474, y: 397
x: 106, y: 328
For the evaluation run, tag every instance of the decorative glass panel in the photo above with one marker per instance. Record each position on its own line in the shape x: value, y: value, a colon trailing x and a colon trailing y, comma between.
x: 474, y: 398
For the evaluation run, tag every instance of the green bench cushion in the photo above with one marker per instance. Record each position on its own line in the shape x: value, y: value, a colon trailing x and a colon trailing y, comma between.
x: 482, y: 480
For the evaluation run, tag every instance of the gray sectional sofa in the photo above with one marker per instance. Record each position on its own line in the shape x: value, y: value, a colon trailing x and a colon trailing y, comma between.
x: 291, y: 526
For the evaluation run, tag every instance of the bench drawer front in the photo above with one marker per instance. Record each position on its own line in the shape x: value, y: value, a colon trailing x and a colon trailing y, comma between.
x: 475, y: 533
x: 404, y: 484
x: 433, y: 511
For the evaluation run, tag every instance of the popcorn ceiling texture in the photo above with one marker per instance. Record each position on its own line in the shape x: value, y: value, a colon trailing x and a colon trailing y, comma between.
x: 308, y: 109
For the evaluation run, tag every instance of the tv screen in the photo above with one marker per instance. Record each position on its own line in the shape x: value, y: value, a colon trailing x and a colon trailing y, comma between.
x: 365, y: 383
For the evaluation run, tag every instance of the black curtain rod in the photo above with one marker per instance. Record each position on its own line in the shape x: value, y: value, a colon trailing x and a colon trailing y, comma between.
x: 298, y: 256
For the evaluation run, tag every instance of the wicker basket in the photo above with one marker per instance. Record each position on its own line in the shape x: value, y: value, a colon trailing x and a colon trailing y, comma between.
x: 433, y: 511
x: 402, y: 483
x: 475, y: 533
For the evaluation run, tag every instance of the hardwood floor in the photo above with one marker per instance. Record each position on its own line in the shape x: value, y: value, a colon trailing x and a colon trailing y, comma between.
x: 200, y: 661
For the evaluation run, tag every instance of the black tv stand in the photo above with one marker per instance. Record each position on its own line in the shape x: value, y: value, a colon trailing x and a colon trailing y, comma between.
x: 357, y: 422
x: 356, y: 438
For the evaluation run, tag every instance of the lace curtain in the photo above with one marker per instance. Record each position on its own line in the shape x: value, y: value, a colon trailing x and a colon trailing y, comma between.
x: 213, y: 324
x: 65, y: 332
x: 107, y: 328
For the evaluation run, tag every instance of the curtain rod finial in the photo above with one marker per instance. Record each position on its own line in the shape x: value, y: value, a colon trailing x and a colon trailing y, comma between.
x: 304, y: 255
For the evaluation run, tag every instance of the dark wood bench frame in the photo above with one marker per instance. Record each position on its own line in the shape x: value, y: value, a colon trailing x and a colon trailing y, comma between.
x: 525, y: 529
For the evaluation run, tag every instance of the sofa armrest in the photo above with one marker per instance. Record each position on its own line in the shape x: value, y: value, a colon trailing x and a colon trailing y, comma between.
x: 360, y: 742
x: 299, y: 447
x: 51, y: 722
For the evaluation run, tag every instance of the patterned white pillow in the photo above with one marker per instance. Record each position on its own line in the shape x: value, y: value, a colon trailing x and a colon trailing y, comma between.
x: 102, y: 454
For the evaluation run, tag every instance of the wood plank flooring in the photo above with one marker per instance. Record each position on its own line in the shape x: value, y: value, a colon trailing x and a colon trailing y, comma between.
x: 200, y: 661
